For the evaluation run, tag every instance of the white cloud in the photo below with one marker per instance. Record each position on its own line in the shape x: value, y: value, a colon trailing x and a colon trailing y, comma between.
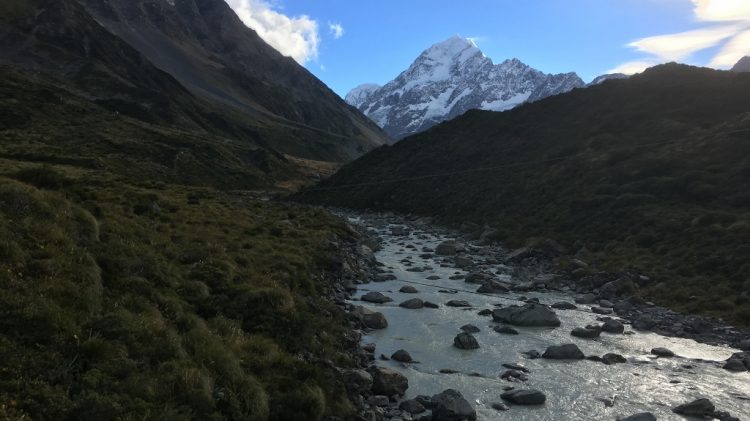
x: 336, y: 30
x: 632, y: 67
x: 730, y: 31
x: 296, y: 37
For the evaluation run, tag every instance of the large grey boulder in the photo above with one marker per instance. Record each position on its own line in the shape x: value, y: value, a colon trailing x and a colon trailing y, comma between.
x: 450, y: 405
x: 524, y: 396
x: 370, y: 319
x: 388, y: 382
x: 564, y: 305
x: 613, y: 326
x: 586, y: 333
x: 402, y: 356
x: 358, y: 381
x: 662, y: 352
x: 528, y: 315
x: 697, y: 408
x: 492, y: 287
x: 465, y: 340
x: 563, y: 352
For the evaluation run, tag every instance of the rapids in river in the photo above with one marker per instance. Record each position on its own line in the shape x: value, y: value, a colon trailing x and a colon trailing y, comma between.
x: 575, y: 389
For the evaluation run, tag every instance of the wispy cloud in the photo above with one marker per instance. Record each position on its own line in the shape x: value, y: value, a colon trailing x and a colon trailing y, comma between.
x: 729, y: 27
x: 336, y: 30
x: 296, y: 37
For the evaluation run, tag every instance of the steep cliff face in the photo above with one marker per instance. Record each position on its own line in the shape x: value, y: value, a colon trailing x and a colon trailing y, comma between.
x: 447, y: 80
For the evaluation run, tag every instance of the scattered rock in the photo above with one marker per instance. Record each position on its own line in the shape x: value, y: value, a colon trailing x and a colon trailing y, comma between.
x: 739, y: 361
x: 563, y: 305
x: 500, y: 406
x: 463, y: 261
x: 485, y: 312
x: 465, y: 340
x: 378, y: 400
x: 412, y: 304
x: 662, y: 352
x: 433, y: 278
x: 375, y: 297
x: 527, y: 315
x: 447, y: 371
x: 524, y: 396
x: 563, y: 352
x: 606, y: 304
x: 412, y: 406
x: 612, y: 358
x: 514, y: 366
x: 492, y: 287
x: 401, y: 356
x: 358, y: 381
x: 458, y: 303
x: 613, y: 326
x: 505, y: 329
x: 745, y: 345
x: 450, y: 405
x: 586, y: 299
x: 428, y: 304
x: 514, y: 375
x: 371, y: 319
x: 584, y: 332
x: 408, y: 289
x: 697, y: 408
x: 388, y: 382
x: 470, y: 328
x: 532, y: 354
x: 601, y: 310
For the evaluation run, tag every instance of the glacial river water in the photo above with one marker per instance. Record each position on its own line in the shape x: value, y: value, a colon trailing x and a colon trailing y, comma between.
x: 575, y: 389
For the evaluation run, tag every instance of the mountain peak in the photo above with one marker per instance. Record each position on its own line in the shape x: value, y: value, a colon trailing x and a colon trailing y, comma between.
x: 743, y: 65
x: 448, y: 79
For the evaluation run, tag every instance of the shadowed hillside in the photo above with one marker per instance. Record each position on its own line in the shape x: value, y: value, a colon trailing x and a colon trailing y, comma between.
x: 650, y: 172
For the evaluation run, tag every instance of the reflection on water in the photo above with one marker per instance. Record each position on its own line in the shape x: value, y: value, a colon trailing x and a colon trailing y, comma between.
x: 574, y: 389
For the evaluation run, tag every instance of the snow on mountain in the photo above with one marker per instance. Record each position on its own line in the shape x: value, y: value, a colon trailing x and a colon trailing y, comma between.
x: 361, y: 93
x: 447, y: 80
x: 609, y: 76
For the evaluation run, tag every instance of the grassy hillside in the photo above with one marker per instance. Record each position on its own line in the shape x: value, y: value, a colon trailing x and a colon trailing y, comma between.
x: 125, y: 300
x: 650, y: 172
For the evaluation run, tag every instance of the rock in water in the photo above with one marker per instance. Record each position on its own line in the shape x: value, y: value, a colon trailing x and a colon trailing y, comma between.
x: 470, y: 328
x: 375, y: 297
x: 412, y: 406
x: 613, y: 326
x: 525, y: 396
x: 642, y: 416
x: 458, y: 303
x: 505, y: 329
x: 446, y: 248
x: 413, y: 304
x: 562, y: 305
x: 401, y: 356
x: 450, y: 405
x: 408, y: 289
x: 662, y: 352
x: 370, y: 319
x: 563, y: 352
x: 582, y: 332
x: 465, y: 340
x: 388, y: 382
x: 527, y: 315
x: 697, y: 408
x: 612, y: 358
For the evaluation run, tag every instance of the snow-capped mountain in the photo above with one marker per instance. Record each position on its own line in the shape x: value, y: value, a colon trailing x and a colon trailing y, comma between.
x: 609, y: 76
x: 447, y: 80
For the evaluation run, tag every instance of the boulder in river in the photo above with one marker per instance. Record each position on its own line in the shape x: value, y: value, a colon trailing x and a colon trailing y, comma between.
x: 401, y: 356
x: 641, y: 416
x: 505, y: 329
x: 612, y: 358
x: 450, y: 405
x: 745, y: 345
x: 465, y: 340
x: 739, y: 361
x: 586, y: 299
x: 613, y: 326
x: 428, y: 304
x: 463, y: 261
x: 662, y: 352
x: 492, y: 287
x: 514, y: 375
x: 527, y: 315
x: 563, y: 352
x: 458, y: 303
x: 359, y: 381
x: 564, y: 305
x: 584, y: 332
x: 375, y: 297
x: 408, y: 289
x: 388, y: 382
x: 697, y: 408
x: 601, y: 310
x: 412, y: 304
x: 470, y: 328
x: 524, y: 396
x: 532, y: 354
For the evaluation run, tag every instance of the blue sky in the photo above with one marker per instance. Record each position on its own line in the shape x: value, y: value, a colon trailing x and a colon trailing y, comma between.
x: 346, y: 43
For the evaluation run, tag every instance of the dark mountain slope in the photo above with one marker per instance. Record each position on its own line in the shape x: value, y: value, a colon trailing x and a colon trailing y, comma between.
x: 204, y: 45
x: 650, y: 172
